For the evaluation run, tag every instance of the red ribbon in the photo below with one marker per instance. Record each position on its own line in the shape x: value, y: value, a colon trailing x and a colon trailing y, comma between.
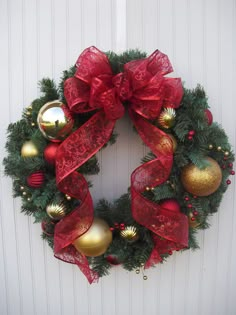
x: 93, y: 88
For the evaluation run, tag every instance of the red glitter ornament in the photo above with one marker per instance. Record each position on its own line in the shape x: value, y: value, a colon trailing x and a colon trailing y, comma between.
x: 195, y: 212
x: 208, y: 116
x: 228, y: 182
x: 50, y: 153
x: 36, y: 179
x: 232, y: 172
x: 171, y: 205
x: 113, y: 260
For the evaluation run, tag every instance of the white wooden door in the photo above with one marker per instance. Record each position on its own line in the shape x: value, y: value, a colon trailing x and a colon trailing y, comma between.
x: 41, y: 38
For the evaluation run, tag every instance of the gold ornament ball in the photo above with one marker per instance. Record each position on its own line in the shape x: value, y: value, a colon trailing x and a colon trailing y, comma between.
x: 29, y: 149
x: 130, y: 234
x: 56, y: 211
x: 174, y: 142
x: 202, y: 182
x: 96, y: 240
x: 168, y: 142
x: 167, y: 118
x: 54, y: 123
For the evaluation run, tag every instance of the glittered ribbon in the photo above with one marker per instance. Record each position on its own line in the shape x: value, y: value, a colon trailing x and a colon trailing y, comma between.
x: 93, y: 88
x: 147, y: 91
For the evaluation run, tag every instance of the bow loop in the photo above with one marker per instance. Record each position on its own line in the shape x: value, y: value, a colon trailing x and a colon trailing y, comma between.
x: 143, y: 84
x: 92, y: 87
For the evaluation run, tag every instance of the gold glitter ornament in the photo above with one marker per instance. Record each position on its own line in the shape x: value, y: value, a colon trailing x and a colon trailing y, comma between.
x: 29, y: 149
x: 174, y: 141
x: 167, y: 118
x: 130, y: 233
x: 55, y: 123
x: 56, y: 211
x: 202, y: 182
x: 96, y: 240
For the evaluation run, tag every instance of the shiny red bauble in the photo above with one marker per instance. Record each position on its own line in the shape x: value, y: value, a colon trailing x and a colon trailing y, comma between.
x: 209, y: 116
x: 170, y: 204
x: 113, y: 259
x: 36, y: 180
x: 50, y: 153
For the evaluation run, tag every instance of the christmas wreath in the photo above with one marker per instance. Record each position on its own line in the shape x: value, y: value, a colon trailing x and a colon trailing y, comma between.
x: 179, y: 184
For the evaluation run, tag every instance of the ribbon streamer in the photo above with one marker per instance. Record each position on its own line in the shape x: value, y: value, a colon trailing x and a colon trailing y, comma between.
x: 93, y: 88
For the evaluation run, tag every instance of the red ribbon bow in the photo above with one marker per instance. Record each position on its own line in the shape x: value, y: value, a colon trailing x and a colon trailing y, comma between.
x: 146, y: 89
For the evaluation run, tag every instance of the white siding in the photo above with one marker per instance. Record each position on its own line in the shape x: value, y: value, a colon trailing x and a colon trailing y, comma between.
x: 41, y: 38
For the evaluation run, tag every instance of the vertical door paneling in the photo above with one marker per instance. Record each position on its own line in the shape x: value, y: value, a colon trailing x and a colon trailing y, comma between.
x: 226, y: 55
x: 5, y: 294
x: 41, y: 38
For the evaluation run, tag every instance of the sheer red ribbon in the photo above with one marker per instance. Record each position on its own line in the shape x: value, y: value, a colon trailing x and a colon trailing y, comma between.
x: 94, y: 88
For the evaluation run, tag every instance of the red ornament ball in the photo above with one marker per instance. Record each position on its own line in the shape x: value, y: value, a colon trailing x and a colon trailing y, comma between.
x: 209, y: 116
x: 50, y: 153
x: 113, y: 260
x: 171, y: 205
x: 36, y: 180
x: 191, y: 133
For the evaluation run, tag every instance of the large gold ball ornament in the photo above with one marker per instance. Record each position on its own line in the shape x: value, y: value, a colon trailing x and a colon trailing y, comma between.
x: 56, y: 211
x: 202, y: 182
x: 29, y: 149
x: 54, y: 121
x: 130, y: 234
x: 96, y: 240
x: 167, y: 118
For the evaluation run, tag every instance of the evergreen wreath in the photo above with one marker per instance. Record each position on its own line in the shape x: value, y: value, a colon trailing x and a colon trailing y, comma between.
x: 179, y: 184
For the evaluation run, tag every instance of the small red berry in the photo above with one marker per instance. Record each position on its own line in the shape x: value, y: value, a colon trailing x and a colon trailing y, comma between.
x: 195, y: 212
x: 190, y: 205
x: 186, y: 198
x: 225, y: 158
x: 190, y: 138
x: 232, y: 172
x: 195, y: 197
x: 193, y: 219
x: 230, y: 165
x: 223, y: 167
x: 228, y: 182
x: 191, y: 133
x: 111, y: 229
x: 170, y: 252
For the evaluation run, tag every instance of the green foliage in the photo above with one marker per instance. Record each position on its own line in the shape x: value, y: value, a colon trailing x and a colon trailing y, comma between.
x: 189, y: 116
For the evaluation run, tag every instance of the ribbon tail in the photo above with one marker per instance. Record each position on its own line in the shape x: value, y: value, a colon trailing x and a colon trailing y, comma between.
x: 170, y: 228
x: 72, y: 153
